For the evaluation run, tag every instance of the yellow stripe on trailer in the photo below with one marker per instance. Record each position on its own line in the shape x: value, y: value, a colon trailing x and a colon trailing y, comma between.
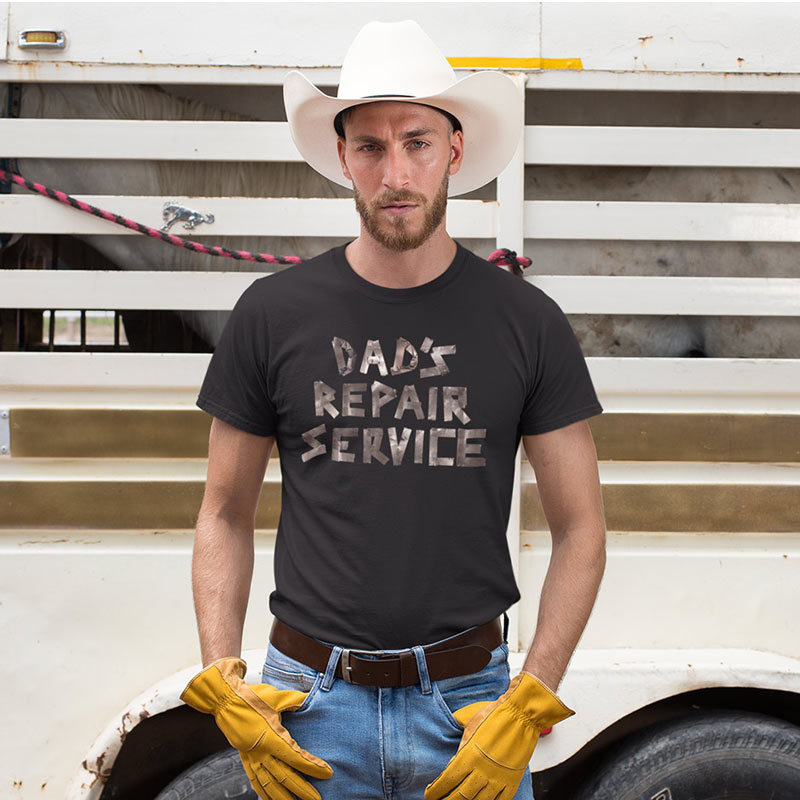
x: 515, y: 63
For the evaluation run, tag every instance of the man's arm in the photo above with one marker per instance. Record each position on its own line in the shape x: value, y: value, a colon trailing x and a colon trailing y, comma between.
x: 565, y: 463
x: 222, y: 562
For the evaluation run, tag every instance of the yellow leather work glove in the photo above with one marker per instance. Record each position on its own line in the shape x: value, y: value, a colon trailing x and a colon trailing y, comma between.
x: 498, y: 741
x: 250, y: 717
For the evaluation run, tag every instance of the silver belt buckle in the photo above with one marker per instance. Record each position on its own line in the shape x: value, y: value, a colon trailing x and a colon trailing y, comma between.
x: 346, y: 668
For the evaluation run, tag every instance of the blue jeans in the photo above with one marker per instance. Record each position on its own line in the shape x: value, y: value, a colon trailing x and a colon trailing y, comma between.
x: 383, y: 743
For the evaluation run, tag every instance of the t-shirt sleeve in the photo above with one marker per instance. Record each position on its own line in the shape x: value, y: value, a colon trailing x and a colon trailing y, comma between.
x: 560, y: 389
x: 235, y: 387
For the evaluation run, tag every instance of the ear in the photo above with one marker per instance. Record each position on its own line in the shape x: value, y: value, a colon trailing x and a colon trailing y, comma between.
x: 456, y: 151
x: 340, y: 147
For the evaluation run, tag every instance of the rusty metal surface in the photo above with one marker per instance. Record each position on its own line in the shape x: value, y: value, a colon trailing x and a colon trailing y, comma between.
x: 733, y: 508
x: 697, y: 437
x: 120, y: 504
x: 183, y: 433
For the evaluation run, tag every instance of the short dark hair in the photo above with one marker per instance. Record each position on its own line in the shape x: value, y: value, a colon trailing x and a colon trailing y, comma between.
x: 342, y: 117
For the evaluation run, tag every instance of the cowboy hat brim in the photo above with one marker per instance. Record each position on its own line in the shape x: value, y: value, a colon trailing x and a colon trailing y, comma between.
x: 487, y: 104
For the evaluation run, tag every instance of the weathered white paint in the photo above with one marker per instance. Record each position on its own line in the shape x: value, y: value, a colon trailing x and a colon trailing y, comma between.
x: 165, y: 140
x: 695, y: 571
x: 261, y: 34
x: 234, y: 216
x: 270, y: 141
x: 544, y: 219
x: 511, y: 234
x: 690, y: 222
x: 576, y: 294
x: 328, y: 77
x: 662, y: 147
x: 604, y: 685
x: 710, y: 37
x: 698, y: 37
x: 623, y: 384
x: 685, y: 590
x: 4, y: 8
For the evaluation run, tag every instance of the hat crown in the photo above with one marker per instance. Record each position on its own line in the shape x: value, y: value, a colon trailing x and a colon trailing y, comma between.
x: 394, y: 58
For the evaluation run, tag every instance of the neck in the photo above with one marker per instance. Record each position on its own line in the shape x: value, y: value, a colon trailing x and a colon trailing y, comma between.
x: 401, y: 269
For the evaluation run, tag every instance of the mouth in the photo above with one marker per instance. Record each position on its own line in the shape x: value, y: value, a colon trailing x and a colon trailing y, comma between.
x: 399, y: 208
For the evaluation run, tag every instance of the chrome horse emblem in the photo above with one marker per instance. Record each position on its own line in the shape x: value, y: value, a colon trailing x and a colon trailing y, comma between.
x: 173, y: 213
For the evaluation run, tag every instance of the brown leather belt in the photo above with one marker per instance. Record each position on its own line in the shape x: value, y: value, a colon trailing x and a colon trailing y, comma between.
x: 460, y: 655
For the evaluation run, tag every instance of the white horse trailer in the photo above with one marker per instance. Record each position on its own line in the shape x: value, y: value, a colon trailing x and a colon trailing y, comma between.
x: 687, y: 679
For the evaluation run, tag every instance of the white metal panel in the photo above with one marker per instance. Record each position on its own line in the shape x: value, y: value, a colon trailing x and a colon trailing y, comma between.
x: 692, y: 590
x: 164, y: 140
x: 4, y: 10
x: 697, y: 384
x: 262, y: 34
x: 651, y: 81
x: 544, y: 219
x: 713, y: 37
x: 655, y: 221
x: 604, y: 685
x: 96, y: 616
x: 270, y: 141
x: 234, y: 216
x: 103, y: 370
x: 623, y: 384
x: 120, y: 290
x: 544, y: 79
x: 593, y: 294
x: 510, y: 234
x: 661, y: 147
x: 623, y: 294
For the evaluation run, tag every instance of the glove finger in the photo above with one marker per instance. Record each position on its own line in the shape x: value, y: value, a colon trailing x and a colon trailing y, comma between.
x: 454, y: 773
x: 291, y: 780
x: 472, y: 787
x: 254, y: 782
x: 271, y: 787
x: 303, y: 761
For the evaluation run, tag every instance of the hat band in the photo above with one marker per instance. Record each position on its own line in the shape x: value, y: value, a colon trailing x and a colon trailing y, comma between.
x: 339, y: 128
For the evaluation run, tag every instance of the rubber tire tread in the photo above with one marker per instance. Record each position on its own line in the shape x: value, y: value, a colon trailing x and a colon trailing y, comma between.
x: 220, y: 775
x: 706, y: 756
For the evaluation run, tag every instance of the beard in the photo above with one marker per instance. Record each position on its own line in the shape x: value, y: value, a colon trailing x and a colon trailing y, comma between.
x: 397, y: 233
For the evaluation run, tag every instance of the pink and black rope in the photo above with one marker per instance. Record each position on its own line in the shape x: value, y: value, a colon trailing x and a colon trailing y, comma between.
x: 503, y: 256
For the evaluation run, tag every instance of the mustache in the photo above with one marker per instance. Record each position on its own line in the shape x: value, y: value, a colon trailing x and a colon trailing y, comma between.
x: 399, y: 196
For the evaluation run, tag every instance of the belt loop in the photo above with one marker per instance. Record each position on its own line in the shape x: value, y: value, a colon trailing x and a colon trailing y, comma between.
x: 330, y: 670
x: 422, y: 668
x: 505, y: 626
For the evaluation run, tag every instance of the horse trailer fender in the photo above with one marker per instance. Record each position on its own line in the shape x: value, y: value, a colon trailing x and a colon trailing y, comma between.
x: 95, y: 769
x: 604, y: 686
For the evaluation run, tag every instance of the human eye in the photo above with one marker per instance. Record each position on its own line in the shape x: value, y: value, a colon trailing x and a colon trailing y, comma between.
x: 418, y: 144
x: 367, y: 148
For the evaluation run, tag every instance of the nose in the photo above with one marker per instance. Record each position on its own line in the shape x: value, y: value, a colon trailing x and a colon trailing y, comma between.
x: 395, y: 175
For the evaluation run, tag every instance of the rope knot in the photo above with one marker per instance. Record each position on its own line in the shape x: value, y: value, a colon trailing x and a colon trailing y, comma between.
x: 509, y: 258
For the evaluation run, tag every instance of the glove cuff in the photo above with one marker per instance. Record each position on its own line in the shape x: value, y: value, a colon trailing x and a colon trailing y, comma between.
x: 537, y: 701
x: 215, y: 685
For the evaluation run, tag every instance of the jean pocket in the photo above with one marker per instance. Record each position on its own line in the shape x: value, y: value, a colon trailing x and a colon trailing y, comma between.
x: 285, y: 672
x: 485, y: 685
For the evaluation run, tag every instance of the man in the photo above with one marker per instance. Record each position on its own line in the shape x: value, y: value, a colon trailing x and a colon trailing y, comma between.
x: 398, y: 374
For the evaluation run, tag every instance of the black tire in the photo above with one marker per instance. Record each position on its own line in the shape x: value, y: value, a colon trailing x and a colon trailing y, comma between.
x: 718, y: 755
x: 219, y: 776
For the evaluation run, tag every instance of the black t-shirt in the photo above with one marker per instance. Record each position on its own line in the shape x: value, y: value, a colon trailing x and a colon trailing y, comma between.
x: 397, y: 415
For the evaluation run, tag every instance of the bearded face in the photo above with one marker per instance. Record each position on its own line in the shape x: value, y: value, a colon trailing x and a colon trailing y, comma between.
x: 387, y: 221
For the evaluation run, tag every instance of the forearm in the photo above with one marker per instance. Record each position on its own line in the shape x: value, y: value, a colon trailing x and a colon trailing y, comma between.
x: 222, y: 570
x: 568, y: 595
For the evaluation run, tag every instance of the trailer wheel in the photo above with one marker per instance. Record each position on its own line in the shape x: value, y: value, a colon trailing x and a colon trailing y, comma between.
x: 720, y: 754
x: 216, y: 776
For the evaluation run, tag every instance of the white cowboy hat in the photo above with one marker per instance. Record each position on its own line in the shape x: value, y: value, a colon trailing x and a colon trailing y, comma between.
x: 398, y: 61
